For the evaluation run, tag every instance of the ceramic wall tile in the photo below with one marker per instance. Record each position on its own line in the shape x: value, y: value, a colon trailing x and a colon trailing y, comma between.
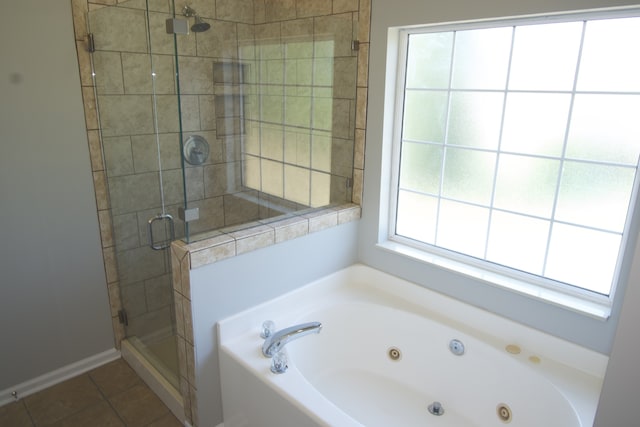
x: 142, y: 76
x: 167, y: 110
x: 132, y: 193
x: 342, y: 157
x: 117, y: 154
x: 322, y: 220
x: 100, y: 188
x: 279, y: 10
x: 336, y: 31
x: 126, y: 115
x: 110, y: 265
x: 221, y: 41
x: 345, y: 76
x: 256, y: 238
x: 364, y: 21
x: 212, y: 214
x: 341, y: 6
x: 79, y: 10
x: 290, y: 229
x: 215, y: 253
x: 297, y: 182
x: 363, y: 65
x: 106, y: 228
x: 235, y: 10
x: 205, y: 8
x: 239, y: 210
x: 161, y: 42
x: 259, y: 10
x: 95, y: 150
x: 320, y: 189
x: 361, y: 109
x: 145, y: 152
x: 158, y: 292
x: 272, y: 177
x: 108, y: 73
x: 306, y: 8
x: 119, y: 29
x: 90, y: 112
x: 358, y: 186
x: 349, y: 214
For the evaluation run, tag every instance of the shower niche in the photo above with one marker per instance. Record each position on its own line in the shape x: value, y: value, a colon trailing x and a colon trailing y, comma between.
x: 228, y: 84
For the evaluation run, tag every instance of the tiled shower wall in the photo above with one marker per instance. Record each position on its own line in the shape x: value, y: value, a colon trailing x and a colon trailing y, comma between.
x: 301, y: 78
x: 236, y: 23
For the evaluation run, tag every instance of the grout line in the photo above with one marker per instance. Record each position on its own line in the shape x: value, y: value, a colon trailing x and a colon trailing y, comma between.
x: 47, y: 421
x: 104, y: 396
x: 140, y: 382
x: 26, y: 408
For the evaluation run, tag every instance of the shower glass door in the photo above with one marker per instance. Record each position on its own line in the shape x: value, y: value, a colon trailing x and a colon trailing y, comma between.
x: 136, y: 88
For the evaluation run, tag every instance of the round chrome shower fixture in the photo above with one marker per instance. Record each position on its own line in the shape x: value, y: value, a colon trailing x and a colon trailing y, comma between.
x: 196, y: 150
x: 199, y: 25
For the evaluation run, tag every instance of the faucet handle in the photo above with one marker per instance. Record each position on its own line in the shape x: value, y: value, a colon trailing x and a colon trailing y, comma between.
x: 280, y: 362
x: 268, y: 328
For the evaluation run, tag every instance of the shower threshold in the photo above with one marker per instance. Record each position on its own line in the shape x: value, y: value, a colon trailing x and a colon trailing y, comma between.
x: 133, y: 352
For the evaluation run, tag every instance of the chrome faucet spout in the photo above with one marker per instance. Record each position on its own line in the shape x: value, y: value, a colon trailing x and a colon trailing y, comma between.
x: 274, y: 343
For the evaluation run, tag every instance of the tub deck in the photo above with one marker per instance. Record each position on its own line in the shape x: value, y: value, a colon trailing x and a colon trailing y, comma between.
x: 344, y: 376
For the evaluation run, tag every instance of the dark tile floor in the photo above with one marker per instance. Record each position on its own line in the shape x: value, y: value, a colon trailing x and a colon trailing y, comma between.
x: 109, y: 396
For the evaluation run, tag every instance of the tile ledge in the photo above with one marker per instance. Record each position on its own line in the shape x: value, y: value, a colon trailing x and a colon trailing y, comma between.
x: 346, y: 213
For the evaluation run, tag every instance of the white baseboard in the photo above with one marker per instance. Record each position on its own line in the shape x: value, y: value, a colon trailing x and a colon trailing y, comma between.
x: 59, y: 375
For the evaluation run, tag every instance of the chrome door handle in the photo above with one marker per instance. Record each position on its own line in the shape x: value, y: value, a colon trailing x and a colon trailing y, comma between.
x: 162, y: 244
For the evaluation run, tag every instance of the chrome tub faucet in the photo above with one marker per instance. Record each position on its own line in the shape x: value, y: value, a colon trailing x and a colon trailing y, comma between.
x: 275, y: 341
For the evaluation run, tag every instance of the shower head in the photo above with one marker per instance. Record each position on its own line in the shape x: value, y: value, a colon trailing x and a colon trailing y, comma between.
x: 199, y: 25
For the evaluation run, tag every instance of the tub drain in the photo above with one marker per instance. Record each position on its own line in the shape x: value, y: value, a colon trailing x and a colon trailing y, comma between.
x: 394, y: 353
x: 504, y: 412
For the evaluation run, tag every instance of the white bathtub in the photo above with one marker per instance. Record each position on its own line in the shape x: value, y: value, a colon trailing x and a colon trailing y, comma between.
x: 344, y: 376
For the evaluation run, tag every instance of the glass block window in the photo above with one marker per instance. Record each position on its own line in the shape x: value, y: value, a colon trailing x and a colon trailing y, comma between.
x: 518, y: 146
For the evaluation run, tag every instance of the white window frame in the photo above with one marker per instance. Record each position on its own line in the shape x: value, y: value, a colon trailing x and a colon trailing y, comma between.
x: 576, y: 299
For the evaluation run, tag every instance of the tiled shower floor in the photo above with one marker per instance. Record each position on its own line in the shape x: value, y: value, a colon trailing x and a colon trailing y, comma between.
x: 111, y: 395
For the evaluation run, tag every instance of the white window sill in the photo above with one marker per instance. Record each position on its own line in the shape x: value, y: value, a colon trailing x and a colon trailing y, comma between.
x: 591, y: 307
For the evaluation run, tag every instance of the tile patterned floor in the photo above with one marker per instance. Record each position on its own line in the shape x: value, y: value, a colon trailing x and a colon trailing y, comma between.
x: 109, y: 396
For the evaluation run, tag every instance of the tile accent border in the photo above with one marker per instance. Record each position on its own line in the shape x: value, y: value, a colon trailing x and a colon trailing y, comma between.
x: 228, y: 242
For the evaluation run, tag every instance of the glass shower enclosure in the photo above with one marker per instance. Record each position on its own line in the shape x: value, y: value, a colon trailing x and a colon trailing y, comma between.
x: 215, y: 115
